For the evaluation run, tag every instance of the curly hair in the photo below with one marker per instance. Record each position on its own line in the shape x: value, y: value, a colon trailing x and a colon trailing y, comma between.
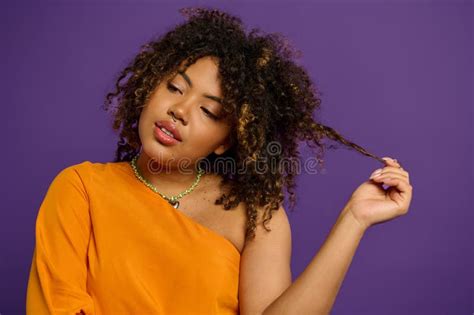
x: 268, y: 97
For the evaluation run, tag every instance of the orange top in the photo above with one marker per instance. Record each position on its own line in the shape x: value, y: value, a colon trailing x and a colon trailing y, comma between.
x: 107, y: 244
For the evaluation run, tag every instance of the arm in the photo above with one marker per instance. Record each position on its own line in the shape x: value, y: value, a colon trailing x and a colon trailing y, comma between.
x: 315, y: 290
x: 264, y: 266
x: 265, y: 276
x: 57, y: 280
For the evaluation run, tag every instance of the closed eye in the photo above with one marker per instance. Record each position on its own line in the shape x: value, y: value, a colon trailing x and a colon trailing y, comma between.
x: 208, y: 113
x: 172, y: 88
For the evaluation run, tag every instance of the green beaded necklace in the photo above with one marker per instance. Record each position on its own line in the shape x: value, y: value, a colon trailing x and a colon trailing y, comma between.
x: 173, y: 200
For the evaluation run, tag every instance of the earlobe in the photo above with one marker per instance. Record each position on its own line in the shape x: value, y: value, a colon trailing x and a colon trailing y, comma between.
x: 223, y: 147
x: 220, y: 150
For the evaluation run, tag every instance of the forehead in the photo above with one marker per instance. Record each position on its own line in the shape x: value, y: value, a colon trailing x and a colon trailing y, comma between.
x: 203, y: 76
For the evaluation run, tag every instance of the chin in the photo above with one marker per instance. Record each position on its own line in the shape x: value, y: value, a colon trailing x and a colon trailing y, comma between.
x: 156, y: 151
x: 152, y: 149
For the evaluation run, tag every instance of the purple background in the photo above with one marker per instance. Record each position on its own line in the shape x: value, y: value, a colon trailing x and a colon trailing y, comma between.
x: 396, y: 79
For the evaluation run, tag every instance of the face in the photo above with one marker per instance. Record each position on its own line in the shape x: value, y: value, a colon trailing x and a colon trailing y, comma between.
x: 190, y: 101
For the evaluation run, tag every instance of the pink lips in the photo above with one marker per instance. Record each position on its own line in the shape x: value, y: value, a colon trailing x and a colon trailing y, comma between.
x: 171, y: 127
x: 163, y: 137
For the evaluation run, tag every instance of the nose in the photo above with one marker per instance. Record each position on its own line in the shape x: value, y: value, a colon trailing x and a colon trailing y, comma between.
x: 177, y: 112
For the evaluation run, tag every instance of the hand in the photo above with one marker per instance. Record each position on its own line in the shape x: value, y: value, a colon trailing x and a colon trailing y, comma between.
x: 370, y: 203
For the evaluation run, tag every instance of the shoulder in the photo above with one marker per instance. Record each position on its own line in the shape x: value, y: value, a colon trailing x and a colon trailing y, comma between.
x: 88, y: 172
x: 73, y: 171
x: 94, y: 167
x: 265, y: 271
x: 80, y: 170
x: 270, y: 231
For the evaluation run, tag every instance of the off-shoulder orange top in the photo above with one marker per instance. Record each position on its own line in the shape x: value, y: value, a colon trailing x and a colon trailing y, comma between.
x: 107, y: 244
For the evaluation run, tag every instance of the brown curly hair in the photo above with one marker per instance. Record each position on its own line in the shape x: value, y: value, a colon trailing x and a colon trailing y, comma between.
x: 268, y: 97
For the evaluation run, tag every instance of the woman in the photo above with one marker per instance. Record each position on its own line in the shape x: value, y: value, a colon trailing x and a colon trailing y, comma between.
x: 209, y: 119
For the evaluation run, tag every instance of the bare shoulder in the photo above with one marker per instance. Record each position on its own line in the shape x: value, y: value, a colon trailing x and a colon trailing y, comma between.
x: 277, y: 231
x: 232, y: 223
x: 265, y: 270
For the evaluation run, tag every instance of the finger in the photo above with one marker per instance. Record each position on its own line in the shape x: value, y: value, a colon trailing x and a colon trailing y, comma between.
x: 405, y: 192
x: 393, y: 168
x: 391, y: 174
x: 390, y: 170
x: 384, y: 177
x: 391, y: 162
x: 399, y: 183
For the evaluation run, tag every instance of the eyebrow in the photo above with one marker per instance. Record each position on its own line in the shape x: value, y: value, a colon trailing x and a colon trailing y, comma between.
x: 188, y: 80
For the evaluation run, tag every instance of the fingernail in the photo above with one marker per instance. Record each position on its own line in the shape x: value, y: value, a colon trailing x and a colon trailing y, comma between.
x: 390, y: 159
x: 376, y: 173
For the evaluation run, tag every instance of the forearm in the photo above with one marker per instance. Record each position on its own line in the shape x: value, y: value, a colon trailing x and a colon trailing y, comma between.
x: 315, y: 290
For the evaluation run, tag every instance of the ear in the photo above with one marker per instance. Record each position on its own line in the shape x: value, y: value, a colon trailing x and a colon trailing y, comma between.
x: 224, y: 146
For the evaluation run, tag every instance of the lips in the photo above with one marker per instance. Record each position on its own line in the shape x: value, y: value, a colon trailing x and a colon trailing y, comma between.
x: 171, y: 127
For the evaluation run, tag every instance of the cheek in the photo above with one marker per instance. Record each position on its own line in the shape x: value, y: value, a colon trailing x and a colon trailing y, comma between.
x: 151, y: 113
x: 205, y: 140
x: 211, y: 134
x: 143, y: 121
x: 141, y: 124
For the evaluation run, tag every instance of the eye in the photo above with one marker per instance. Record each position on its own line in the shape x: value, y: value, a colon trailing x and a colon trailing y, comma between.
x: 172, y: 88
x: 208, y: 113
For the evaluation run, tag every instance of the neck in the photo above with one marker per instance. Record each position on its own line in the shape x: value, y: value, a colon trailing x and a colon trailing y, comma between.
x: 169, y: 180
